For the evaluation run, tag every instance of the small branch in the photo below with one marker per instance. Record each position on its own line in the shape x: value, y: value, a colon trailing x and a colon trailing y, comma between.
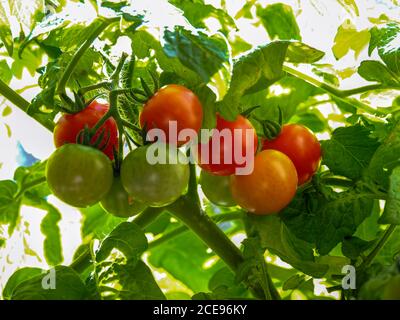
x: 339, y: 94
x: 378, y: 247
x: 100, y: 85
x: 77, y: 56
x: 23, y: 104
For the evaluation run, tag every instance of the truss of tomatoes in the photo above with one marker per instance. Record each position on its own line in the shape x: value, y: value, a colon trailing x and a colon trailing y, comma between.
x: 82, y: 175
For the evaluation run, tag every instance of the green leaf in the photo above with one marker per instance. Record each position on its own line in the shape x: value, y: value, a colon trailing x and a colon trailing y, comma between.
x: 5, y: 72
x: 386, y: 40
x: 279, y: 21
x: 68, y: 286
x: 349, y: 151
x: 278, y: 239
x: 386, y: 158
x: 327, y: 221
x: 224, y: 285
x: 6, y: 111
x: 184, y: 257
x: 294, y: 282
x: 299, y: 52
x: 27, y: 15
x: 391, y: 214
x: 376, y: 71
x: 196, y: 11
x: 52, y: 242
x: 349, y: 38
x: 18, y: 277
x: 350, y: 6
x: 143, y: 44
x: 97, y: 223
x: 200, y: 52
x: 135, y: 281
x: 207, y: 98
x: 128, y: 238
x: 352, y: 247
x: 260, y: 68
x: 9, y: 207
x: 313, y: 120
x: 5, y: 30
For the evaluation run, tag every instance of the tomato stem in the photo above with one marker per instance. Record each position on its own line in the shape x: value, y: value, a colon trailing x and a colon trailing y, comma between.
x: 190, y: 213
x: 100, y: 85
x: 77, y: 56
x: 388, y: 232
x: 23, y: 104
x: 342, y: 95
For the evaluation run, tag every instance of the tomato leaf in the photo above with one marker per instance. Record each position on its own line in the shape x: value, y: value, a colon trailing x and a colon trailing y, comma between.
x: 278, y: 238
x: 18, y: 277
x: 349, y: 38
x: 200, y: 52
x: 279, y: 21
x: 349, y: 151
x: 376, y: 71
x: 68, y: 286
x: 196, y: 11
x: 134, y: 279
x: 9, y: 207
x: 127, y: 237
x: 327, y: 219
x: 391, y: 214
x: 184, y: 257
x: 385, y: 39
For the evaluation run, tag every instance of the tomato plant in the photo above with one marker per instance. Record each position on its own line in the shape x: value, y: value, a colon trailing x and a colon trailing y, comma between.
x: 301, y: 146
x: 69, y: 126
x: 80, y: 176
x: 241, y: 139
x: 315, y: 217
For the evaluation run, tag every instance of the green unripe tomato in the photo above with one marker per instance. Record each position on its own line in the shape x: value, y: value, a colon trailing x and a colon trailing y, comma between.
x: 155, y: 184
x: 392, y: 289
x: 119, y: 203
x: 217, y: 189
x: 79, y: 175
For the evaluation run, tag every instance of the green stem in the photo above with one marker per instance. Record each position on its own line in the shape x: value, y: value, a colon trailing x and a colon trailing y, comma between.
x: 339, y: 94
x: 188, y: 212
x: 378, y: 246
x: 78, y: 55
x: 337, y: 182
x: 83, y: 261
x: 23, y: 104
x: 182, y: 229
x: 104, y: 85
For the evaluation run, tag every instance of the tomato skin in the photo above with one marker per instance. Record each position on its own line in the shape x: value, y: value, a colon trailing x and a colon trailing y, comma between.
x: 217, y: 189
x: 70, y: 125
x: 224, y: 168
x: 158, y: 184
x: 270, y: 187
x: 79, y: 175
x: 172, y: 103
x: 301, y: 146
x: 118, y: 203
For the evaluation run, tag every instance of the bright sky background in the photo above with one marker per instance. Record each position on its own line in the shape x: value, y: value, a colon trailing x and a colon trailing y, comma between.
x: 318, y: 21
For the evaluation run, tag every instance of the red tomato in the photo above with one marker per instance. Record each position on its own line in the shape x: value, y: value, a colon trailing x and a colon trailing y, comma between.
x: 235, y: 144
x: 70, y: 125
x: 301, y: 146
x: 172, y: 103
x: 270, y: 187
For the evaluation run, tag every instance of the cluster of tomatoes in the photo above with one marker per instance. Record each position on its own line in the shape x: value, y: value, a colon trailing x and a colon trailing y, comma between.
x: 83, y: 175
